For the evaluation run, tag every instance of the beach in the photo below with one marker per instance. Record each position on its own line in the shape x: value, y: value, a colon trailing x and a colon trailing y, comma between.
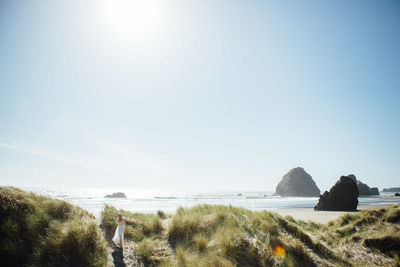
x: 308, y: 214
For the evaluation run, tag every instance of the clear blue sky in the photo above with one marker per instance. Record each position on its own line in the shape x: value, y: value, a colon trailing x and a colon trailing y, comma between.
x: 205, y: 95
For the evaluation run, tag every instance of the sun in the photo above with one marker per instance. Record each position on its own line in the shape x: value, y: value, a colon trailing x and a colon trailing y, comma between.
x: 132, y: 18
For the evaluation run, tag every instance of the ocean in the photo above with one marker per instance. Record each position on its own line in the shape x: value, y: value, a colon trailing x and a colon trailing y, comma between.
x: 150, y: 201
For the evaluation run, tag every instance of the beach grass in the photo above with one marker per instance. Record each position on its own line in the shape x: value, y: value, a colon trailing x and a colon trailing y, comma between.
x: 40, y: 231
x: 216, y: 235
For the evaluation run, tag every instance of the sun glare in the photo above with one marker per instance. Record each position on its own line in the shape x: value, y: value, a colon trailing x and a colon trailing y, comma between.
x: 136, y: 19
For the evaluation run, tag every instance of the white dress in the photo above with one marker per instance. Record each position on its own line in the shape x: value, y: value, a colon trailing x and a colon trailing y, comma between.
x: 119, y: 232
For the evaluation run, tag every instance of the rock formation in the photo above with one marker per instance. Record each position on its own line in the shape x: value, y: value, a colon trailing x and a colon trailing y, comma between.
x: 343, y: 196
x: 116, y: 195
x: 297, y: 183
x: 352, y: 177
x: 374, y: 191
x: 364, y: 189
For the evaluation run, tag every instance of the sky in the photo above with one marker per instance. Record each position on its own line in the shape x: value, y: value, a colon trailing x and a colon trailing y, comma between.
x: 198, y: 95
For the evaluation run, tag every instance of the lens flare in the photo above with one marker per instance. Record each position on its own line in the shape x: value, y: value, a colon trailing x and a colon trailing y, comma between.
x: 280, y: 251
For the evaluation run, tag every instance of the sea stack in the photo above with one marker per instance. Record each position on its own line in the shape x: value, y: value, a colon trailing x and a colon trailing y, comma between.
x: 116, y: 195
x: 297, y: 183
x: 364, y: 189
x: 343, y: 196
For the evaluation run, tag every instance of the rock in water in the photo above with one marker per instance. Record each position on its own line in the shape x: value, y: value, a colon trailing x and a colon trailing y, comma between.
x: 343, y: 196
x: 116, y: 195
x: 391, y: 189
x: 352, y: 177
x: 297, y: 183
x: 364, y: 189
x: 374, y: 191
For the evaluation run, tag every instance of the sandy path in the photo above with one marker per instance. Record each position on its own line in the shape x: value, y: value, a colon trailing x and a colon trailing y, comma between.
x: 126, y: 257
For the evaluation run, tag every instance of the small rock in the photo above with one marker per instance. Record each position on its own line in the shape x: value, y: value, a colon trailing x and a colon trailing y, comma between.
x: 116, y: 195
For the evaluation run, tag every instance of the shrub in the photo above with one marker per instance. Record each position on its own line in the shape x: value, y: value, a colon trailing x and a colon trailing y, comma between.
x: 366, y: 220
x: 200, y: 243
x: 346, y: 230
x: 161, y: 214
x: 182, y: 229
x: 345, y: 219
x: 387, y: 244
x: 59, y: 210
x: 392, y: 215
x: 297, y: 256
x: 153, y: 226
x: 237, y: 247
x: 145, y: 251
x: 40, y: 231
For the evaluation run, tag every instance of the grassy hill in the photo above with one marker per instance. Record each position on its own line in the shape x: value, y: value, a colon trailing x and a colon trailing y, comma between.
x: 40, y: 231
x: 208, y: 235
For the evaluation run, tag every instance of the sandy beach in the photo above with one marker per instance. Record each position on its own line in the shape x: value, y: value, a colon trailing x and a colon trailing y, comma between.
x: 308, y: 214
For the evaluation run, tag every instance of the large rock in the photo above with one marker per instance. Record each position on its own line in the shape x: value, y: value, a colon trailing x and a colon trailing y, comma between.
x: 364, y: 189
x: 116, y: 195
x: 352, y: 177
x: 297, y: 183
x: 343, y: 196
x: 374, y: 191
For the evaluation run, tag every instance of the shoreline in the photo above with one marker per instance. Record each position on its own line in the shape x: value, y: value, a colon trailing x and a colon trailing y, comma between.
x: 308, y: 214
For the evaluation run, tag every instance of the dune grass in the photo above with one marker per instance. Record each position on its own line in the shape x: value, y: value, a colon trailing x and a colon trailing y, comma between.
x: 215, y: 235
x: 40, y: 231
x: 371, y: 233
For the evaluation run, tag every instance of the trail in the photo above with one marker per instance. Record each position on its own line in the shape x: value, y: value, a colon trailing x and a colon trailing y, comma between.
x: 126, y: 256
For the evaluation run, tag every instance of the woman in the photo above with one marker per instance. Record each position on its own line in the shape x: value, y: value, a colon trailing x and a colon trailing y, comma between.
x: 119, y: 232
